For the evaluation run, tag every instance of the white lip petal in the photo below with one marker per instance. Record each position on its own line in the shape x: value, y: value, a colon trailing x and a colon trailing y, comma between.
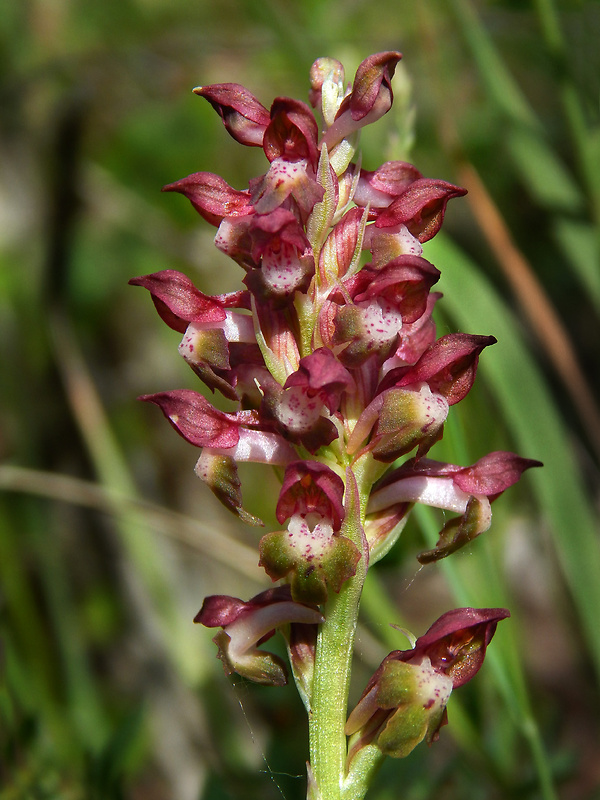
x: 260, y: 447
x: 250, y: 628
x: 437, y: 492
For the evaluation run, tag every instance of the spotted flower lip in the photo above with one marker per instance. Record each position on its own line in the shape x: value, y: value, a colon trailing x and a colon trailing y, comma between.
x: 283, y: 182
x: 311, y: 556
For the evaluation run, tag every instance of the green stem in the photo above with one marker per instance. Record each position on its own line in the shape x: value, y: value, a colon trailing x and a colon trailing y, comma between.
x: 330, y: 690
x: 333, y: 659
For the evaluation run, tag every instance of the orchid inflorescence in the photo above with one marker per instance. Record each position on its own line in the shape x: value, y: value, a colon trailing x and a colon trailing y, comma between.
x: 338, y: 380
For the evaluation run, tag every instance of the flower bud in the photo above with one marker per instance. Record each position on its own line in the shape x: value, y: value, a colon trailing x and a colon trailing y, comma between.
x: 311, y: 556
x: 370, y: 99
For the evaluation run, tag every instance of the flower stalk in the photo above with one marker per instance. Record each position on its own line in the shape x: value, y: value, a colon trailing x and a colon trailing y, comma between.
x: 333, y: 662
x: 333, y: 373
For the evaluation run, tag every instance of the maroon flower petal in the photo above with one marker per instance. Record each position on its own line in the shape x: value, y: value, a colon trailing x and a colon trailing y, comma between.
x: 292, y: 132
x: 370, y: 99
x: 372, y: 84
x: 212, y: 197
x: 421, y: 207
x: 381, y: 187
x: 194, y: 418
x: 270, y: 231
x: 244, y: 117
x: 493, y: 473
x: 178, y: 301
x: 457, y: 641
x: 448, y: 366
x: 321, y: 373
x: 219, y: 610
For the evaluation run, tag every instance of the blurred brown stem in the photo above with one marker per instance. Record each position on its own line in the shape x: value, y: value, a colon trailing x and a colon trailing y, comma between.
x: 534, y: 302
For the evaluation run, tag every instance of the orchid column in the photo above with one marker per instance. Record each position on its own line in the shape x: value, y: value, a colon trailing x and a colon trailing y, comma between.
x: 335, y: 375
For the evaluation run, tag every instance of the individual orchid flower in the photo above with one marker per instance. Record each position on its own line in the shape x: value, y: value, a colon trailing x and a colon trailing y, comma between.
x: 283, y: 254
x: 216, y: 338
x: 399, y: 420
x: 290, y: 144
x: 405, y: 701
x: 383, y: 301
x: 300, y: 407
x: 468, y: 491
x: 310, y: 553
x: 225, y: 439
x: 448, y: 366
x: 246, y: 625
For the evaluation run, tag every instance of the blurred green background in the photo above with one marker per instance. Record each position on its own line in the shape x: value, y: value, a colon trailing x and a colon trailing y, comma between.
x: 108, y: 542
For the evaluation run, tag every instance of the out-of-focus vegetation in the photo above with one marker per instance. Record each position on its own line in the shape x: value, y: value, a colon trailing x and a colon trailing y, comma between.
x: 108, y: 543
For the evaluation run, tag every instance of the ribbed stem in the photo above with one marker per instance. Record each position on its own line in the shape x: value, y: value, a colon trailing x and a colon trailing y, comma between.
x: 331, y: 680
x: 330, y: 690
